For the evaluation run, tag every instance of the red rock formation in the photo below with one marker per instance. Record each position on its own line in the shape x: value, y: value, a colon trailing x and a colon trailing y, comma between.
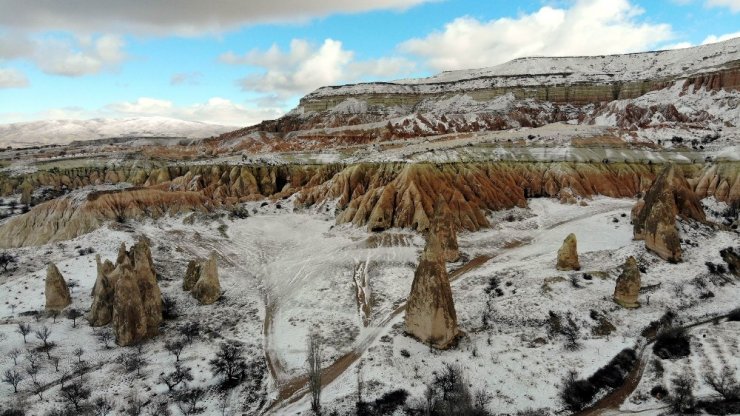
x: 654, y: 218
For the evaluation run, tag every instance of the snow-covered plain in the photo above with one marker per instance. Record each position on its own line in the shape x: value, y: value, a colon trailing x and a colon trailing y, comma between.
x: 286, y: 272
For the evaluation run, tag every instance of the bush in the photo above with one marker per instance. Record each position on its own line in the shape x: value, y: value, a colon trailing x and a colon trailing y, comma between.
x: 575, y: 394
x: 384, y: 405
x: 672, y: 343
x: 614, y: 373
x: 659, y: 392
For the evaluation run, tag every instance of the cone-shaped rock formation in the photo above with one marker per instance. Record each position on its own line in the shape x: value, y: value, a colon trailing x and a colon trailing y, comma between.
x: 56, y: 290
x: 654, y: 217
x: 430, y: 310
x: 568, y: 254
x: 127, y: 294
x: 628, y: 284
x: 444, y: 229
x: 201, y: 279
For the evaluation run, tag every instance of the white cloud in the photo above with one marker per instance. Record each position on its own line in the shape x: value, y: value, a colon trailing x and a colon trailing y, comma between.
x: 183, y: 17
x: 65, y: 56
x: 720, y: 38
x: 679, y: 45
x: 734, y: 5
x: 12, y: 78
x: 305, y: 67
x: 588, y: 27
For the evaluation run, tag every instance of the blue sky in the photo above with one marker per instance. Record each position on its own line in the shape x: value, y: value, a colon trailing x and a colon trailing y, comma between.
x: 237, y: 63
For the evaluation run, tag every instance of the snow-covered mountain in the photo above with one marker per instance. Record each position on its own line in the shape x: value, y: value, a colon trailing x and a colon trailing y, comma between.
x: 46, y: 132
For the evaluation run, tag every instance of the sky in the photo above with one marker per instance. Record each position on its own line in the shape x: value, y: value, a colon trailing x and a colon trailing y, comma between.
x: 237, y: 62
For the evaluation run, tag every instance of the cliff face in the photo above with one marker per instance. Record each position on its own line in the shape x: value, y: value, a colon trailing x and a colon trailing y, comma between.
x: 67, y: 218
x: 376, y: 196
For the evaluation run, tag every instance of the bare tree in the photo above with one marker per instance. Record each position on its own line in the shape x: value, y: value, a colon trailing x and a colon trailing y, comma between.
x: 187, y: 400
x: 43, y: 335
x: 38, y: 388
x: 75, y: 394
x: 73, y: 314
x: 14, y: 354
x: 725, y: 384
x: 32, y: 357
x: 175, y: 348
x: 229, y: 363
x: 314, y: 371
x: 180, y: 375
x: 54, y: 315
x: 101, y: 406
x: 13, y: 378
x: 32, y: 371
x: 24, y: 329
x: 105, y: 336
x: 78, y: 352
x: 55, y: 363
x: 190, y: 330
x: 135, y: 404
x: 80, y: 368
x: 133, y: 362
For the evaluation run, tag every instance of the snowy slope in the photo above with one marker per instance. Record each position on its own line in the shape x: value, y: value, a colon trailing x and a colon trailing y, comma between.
x: 65, y: 131
x: 561, y: 70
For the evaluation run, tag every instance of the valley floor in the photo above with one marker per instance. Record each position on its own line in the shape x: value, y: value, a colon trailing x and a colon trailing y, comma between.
x: 287, y: 272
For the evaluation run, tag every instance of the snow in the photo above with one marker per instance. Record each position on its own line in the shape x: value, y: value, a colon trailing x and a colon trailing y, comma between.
x: 559, y: 70
x: 47, y: 132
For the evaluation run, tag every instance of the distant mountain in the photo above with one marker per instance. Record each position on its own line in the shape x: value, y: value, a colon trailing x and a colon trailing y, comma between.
x: 47, y: 132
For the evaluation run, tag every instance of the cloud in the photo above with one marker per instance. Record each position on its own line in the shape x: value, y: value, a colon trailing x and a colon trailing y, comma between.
x: 182, y: 17
x: 215, y: 110
x: 186, y: 78
x: 11, y: 78
x: 720, y: 38
x: 588, y: 27
x: 65, y: 56
x: 305, y: 67
x: 734, y: 5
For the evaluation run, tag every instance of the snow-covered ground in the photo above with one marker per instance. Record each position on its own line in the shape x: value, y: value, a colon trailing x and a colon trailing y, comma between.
x: 286, y: 272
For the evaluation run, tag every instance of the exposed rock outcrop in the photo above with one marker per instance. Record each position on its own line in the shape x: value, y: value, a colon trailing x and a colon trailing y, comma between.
x: 430, y: 310
x: 377, y: 196
x: 56, y: 290
x: 127, y: 295
x: 654, y: 217
x: 382, y: 196
x: 568, y: 254
x: 66, y: 218
x: 444, y: 229
x: 201, y: 279
x: 628, y: 284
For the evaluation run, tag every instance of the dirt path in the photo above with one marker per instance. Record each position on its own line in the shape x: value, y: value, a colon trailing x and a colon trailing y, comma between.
x: 616, y: 398
x: 297, y: 387
x: 292, y: 390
